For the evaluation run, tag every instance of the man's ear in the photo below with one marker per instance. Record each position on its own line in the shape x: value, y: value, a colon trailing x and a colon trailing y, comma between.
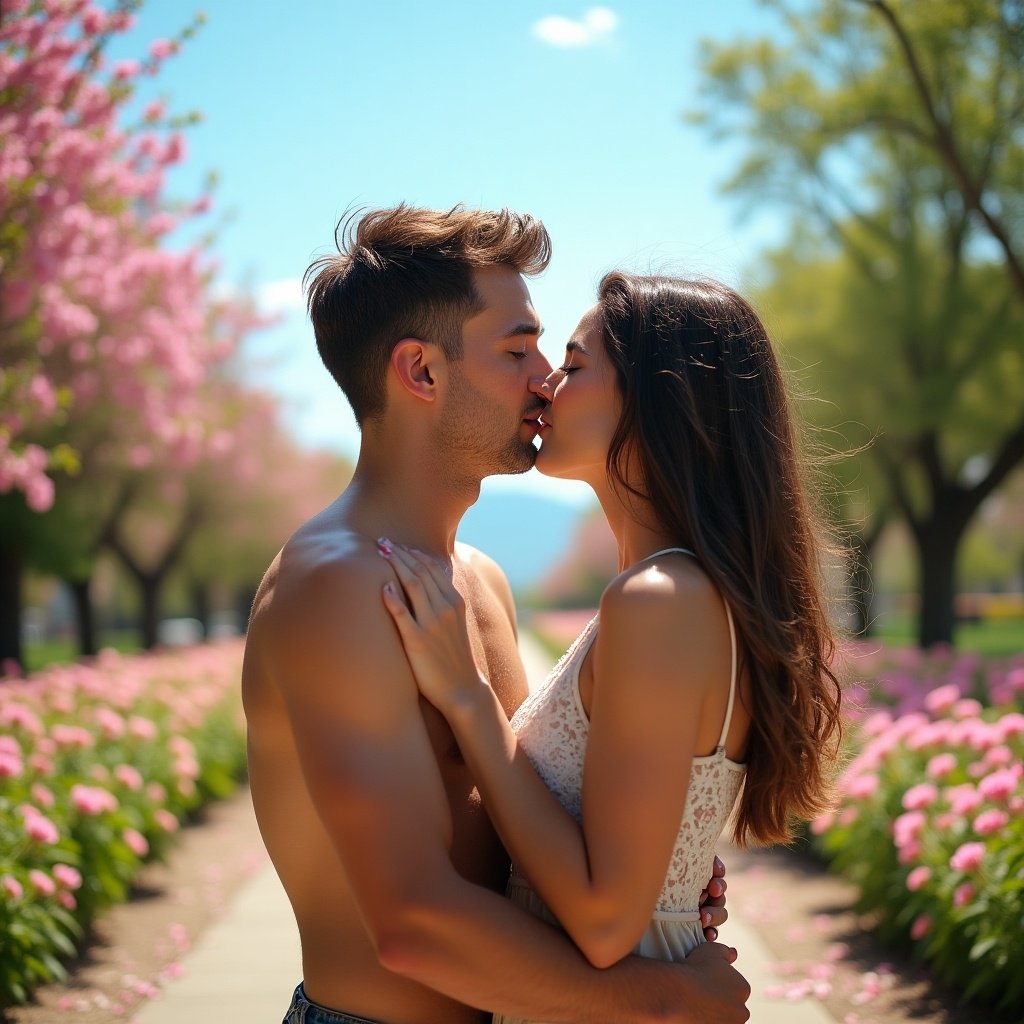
x: 417, y: 365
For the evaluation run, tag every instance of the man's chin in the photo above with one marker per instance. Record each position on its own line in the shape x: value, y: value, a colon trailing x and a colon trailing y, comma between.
x: 518, y: 461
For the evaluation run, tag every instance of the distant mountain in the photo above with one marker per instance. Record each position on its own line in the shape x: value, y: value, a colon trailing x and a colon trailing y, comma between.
x: 525, y: 533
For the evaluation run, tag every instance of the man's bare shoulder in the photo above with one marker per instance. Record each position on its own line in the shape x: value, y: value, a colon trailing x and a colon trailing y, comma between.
x: 322, y: 557
x: 487, y: 570
x: 319, y: 608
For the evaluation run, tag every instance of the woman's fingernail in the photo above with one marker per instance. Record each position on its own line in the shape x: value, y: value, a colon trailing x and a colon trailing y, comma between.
x: 384, y: 545
x: 705, y: 918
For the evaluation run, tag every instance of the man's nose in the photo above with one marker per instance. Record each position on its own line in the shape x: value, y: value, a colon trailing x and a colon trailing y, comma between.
x: 540, y: 374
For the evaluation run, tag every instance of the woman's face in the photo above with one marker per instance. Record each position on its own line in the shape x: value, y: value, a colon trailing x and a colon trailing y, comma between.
x: 579, y: 423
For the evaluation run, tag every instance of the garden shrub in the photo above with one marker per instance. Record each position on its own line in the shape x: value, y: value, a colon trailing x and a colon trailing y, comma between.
x: 100, y: 763
x: 930, y: 822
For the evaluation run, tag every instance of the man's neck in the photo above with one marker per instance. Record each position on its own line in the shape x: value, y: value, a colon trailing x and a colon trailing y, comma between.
x: 407, y: 495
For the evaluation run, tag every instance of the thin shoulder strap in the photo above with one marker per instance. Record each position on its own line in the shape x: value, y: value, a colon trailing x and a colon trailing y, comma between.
x: 732, y: 678
x: 732, y: 645
x: 665, y: 551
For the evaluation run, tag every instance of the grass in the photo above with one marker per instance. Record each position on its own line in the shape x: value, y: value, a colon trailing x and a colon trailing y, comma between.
x: 995, y: 638
x: 64, y: 650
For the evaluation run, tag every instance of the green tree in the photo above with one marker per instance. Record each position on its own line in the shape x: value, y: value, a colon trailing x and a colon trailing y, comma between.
x: 895, y: 130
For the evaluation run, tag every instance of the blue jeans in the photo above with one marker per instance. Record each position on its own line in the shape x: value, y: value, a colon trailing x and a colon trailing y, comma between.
x: 302, y: 1011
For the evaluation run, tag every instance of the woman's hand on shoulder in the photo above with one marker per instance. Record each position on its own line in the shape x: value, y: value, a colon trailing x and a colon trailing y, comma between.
x: 430, y: 615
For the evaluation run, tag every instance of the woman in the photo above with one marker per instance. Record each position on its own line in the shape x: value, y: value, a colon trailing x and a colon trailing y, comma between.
x: 708, y: 660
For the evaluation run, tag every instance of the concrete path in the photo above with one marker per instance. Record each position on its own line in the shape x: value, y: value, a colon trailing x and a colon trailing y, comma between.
x: 244, y: 967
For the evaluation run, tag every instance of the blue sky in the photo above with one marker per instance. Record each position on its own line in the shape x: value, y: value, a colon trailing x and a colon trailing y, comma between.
x: 570, y: 111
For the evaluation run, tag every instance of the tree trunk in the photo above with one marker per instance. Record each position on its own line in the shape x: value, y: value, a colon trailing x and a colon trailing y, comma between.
x: 85, y: 621
x: 246, y: 594
x: 151, y: 581
x: 149, y: 600
x: 11, y: 569
x: 937, y: 544
x: 861, y: 591
x: 201, y: 604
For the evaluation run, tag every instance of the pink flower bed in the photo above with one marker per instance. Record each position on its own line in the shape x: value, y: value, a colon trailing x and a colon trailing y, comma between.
x: 99, y: 764
x: 930, y: 822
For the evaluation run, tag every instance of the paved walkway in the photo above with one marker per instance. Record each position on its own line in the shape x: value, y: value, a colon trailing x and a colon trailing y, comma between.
x: 244, y: 967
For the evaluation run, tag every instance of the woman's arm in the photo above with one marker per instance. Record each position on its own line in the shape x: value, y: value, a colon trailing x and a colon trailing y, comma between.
x: 602, y: 880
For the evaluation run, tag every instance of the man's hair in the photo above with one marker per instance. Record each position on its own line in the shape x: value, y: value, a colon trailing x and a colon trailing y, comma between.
x: 407, y: 273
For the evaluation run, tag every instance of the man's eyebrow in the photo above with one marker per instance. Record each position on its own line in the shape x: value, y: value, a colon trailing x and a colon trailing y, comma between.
x: 525, y: 328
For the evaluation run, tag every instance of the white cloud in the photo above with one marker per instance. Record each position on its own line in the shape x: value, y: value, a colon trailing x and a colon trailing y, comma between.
x: 597, y: 23
x: 281, y: 296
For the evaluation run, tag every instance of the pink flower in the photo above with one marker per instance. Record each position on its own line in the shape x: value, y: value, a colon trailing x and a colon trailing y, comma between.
x: 941, y: 765
x: 907, y: 827
x: 165, y: 819
x: 909, y: 852
x: 1012, y: 724
x: 999, y: 785
x: 989, y: 822
x: 39, y: 828
x: 918, y: 877
x: 142, y: 728
x: 921, y: 926
x: 42, y: 882
x: 72, y: 736
x: 964, y: 799
x: 21, y: 716
x: 922, y: 795
x: 822, y: 823
x: 967, y: 857
x: 93, y: 799
x: 1000, y: 755
x: 966, y: 708
x: 129, y: 776
x: 11, y: 765
x: 136, y: 841
x: 125, y: 69
x: 862, y: 786
x: 110, y: 722
x: 42, y: 795
x: 963, y: 894
x: 11, y: 886
x: 69, y: 877
x: 940, y: 700
x: 161, y: 49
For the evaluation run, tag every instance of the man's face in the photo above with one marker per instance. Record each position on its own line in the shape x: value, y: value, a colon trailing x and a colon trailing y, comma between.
x: 490, y: 410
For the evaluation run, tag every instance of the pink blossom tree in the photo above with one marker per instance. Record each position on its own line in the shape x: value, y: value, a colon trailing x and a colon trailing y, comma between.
x: 106, y: 333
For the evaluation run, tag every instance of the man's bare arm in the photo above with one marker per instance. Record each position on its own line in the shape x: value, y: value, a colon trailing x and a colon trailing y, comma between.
x: 373, y: 776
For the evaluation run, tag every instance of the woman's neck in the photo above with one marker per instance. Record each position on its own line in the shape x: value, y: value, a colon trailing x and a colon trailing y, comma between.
x: 634, y: 525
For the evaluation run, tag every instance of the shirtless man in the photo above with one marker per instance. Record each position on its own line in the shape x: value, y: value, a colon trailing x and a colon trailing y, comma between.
x: 364, y: 803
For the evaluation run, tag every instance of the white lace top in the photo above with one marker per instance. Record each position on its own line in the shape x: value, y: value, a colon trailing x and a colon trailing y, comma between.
x: 552, y: 726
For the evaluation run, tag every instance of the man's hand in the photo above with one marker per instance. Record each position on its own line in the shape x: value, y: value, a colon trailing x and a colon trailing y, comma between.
x: 712, y: 902
x: 719, y: 993
x: 702, y: 989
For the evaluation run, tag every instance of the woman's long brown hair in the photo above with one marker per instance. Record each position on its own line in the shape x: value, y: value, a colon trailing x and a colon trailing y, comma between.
x: 705, y: 418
